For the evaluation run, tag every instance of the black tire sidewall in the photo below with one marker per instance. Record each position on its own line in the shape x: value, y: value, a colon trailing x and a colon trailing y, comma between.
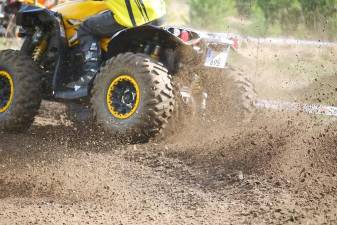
x: 11, y: 72
x: 26, y: 100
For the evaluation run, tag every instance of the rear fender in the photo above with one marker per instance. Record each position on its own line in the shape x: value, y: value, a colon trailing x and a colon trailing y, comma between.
x: 30, y: 16
x: 124, y: 40
x: 143, y: 33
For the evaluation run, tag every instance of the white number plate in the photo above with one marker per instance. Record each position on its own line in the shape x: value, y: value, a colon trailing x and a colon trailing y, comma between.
x: 216, y: 59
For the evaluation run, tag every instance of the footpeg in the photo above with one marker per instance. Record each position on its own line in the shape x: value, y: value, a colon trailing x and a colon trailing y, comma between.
x: 72, y: 94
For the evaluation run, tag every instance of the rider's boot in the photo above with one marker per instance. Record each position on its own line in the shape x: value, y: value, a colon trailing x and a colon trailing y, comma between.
x: 90, y: 69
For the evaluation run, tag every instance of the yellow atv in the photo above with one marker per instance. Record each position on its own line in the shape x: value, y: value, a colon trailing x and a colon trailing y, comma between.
x: 132, y: 96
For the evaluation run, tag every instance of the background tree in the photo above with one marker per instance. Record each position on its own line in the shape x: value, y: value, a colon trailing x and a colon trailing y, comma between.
x: 300, y: 18
x: 286, y: 13
x: 244, y: 7
x: 319, y: 15
x: 209, y: 13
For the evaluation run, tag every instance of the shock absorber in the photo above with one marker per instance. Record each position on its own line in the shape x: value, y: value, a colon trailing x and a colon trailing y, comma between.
x: 39, y: 50
x: 156, y: 52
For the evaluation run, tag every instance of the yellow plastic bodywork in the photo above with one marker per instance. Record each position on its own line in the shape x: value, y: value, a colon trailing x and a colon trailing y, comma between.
x: 75, y: 12
x: 38, y: 3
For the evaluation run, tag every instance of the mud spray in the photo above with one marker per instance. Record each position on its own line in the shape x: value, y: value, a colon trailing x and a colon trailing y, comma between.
x: 280, y: 168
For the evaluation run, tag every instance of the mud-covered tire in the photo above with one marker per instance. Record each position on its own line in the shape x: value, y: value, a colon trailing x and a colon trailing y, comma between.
x: 156, y: 97
x: 26, y: 100
x: 231, y: 96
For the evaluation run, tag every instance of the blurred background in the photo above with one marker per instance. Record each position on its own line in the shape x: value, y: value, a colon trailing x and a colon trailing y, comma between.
x: 301, y: 19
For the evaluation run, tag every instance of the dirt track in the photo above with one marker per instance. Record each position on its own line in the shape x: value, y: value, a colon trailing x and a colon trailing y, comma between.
x: 279, y: 169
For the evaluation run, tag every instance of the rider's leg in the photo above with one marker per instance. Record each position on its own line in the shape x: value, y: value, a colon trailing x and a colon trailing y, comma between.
x: 89, y: 34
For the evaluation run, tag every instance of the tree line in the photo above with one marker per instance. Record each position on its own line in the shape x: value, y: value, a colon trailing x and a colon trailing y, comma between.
x: 289, y: 15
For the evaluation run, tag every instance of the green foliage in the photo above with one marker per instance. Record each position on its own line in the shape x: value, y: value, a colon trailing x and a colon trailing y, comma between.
x: 320, y: 15
x: 287, y: 13
x: 209, y: 13
x: 270, y: 9
x: 244, y: 7
x: 292, y: 17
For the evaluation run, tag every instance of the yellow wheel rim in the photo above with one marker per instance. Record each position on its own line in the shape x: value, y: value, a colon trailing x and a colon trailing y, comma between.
x: 6, y: 90
x: 123, y: 97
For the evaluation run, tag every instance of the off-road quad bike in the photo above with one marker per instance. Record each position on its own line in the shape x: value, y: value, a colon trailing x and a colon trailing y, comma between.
x: 133, y: 96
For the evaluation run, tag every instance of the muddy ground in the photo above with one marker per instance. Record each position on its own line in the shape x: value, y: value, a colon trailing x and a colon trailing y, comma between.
x: 281, y: 168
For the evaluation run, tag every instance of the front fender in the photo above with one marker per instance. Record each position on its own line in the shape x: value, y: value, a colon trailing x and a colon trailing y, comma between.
x: 29, y: 16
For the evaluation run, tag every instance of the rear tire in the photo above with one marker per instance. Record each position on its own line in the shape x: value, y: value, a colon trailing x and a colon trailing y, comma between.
x: 26, y: 98
x: 156, y: 98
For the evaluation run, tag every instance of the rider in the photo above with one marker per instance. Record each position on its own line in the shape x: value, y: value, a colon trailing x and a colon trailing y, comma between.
x: 122, y: 14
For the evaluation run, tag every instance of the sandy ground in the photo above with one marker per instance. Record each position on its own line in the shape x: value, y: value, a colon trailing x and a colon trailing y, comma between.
x: 281, y: 171
x: 278, y: 169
